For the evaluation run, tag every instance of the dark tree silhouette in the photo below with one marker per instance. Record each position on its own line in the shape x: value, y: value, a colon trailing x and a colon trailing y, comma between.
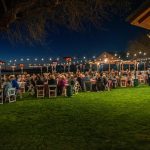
x: 29, y: 19
x: 140, y: 46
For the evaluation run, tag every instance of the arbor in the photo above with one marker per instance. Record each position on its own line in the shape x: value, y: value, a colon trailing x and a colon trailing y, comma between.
x: 29, y: 19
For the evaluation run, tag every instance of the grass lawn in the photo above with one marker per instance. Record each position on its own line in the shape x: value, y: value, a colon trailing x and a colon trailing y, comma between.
x: 116, y: 120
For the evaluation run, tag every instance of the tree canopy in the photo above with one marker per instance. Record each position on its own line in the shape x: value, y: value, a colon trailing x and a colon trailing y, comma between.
x: 140, y: 45
x: 33, y: 17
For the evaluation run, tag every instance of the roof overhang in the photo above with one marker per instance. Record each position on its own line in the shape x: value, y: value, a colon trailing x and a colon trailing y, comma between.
x: 141, y: 17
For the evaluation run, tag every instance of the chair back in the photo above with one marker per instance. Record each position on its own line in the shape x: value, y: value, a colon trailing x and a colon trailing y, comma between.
x: 1, y: 96
x: 11, y: 92
x: 52, y: 86
x: 40, y: 91
x: 52, y: 90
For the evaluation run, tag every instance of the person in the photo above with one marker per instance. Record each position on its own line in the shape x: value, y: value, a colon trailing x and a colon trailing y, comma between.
x: 52, y: 80
x: 39, y: 81
x: 72, y: 81
x: 100, y: 83
x: 61, y: 84
x: 80, y: 81
x: 86, y: 82
x: 14, y: 82
x: 7, y: 84
x: 149, y: 78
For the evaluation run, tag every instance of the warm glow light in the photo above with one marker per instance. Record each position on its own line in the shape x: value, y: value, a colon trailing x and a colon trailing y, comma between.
x: 106, y: 60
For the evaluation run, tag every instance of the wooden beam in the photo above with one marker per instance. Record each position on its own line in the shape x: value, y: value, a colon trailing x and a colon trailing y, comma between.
x: 4, y: 5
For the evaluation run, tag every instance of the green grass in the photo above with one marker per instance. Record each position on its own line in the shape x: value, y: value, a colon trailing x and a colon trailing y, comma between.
x: 116, y: 120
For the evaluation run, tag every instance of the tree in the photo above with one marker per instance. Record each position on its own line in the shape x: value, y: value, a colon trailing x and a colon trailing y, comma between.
x: 30, y: 19
x: 140, y: 46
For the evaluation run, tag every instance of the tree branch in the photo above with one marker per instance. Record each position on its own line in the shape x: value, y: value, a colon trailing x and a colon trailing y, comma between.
x: 4, y: 5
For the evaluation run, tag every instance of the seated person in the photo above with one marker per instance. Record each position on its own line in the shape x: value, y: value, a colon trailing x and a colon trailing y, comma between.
x: 7, y: 84
x: 52, y: 80
x: 39, y: 81
x: 61, y: 84
x: 72, y: 81
x: 14, y: 82
x: 100, y: 83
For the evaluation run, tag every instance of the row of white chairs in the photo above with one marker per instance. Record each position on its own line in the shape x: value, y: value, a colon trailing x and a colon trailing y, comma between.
x: 52, y: 90
x: 40, y: 92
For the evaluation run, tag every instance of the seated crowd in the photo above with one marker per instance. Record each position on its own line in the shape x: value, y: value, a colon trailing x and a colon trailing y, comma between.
x: 88, y: 81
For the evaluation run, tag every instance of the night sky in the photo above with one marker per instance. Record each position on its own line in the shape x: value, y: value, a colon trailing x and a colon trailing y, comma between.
x: 113, y: 36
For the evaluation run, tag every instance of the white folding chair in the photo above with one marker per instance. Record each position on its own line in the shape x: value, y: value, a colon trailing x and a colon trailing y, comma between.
x: 11, y: 95
x: 123, y: 83
x: 40, y: 91
x: 52, y: 90
x: 1, y: 97
x: 22, y: 86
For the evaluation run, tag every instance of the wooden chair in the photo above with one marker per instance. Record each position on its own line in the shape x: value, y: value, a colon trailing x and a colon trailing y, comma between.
x: 40, y: 93
x: 123, y: 83
x: 1, y: 96
x: 52, y: 90
x: 11, y: 95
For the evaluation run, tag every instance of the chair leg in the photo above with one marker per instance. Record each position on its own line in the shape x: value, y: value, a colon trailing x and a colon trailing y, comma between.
x: 9, y: 99
x: 1, y: 101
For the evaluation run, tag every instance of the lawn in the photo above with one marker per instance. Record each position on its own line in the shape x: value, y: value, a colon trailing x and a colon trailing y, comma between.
x: 116, y: 120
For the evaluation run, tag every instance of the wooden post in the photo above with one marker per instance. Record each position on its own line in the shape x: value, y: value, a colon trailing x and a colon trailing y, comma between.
x: 109, y: 67
x: 129, y: 67
x: 144, y: 66
x: 122, y: 67
x: 137, y: 66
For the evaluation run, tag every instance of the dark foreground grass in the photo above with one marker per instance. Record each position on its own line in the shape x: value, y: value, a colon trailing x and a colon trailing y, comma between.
x: 116, y: 120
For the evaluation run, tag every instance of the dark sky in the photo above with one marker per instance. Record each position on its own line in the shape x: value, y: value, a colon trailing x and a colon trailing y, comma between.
x: 114, y: 36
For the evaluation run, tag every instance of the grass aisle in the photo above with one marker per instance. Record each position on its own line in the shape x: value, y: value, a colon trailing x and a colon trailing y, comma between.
x: 116, y: 120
